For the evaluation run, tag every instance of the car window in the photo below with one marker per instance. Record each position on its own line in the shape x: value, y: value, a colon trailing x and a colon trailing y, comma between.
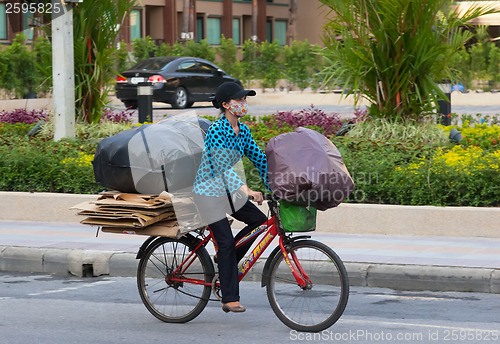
x: 206, y: 68
x: 152, y: 64
x: 187, y: 67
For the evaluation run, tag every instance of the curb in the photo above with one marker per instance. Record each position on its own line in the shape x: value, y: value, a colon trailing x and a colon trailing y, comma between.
x: 352, y: 218
x: 88, y: 263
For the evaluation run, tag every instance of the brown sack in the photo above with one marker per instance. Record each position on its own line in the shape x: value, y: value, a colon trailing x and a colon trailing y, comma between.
x: 306, y: 168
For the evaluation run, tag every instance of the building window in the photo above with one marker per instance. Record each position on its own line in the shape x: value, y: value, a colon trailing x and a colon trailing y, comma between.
x: 213, y: 30
x: 280, y: 31
x: 236, y: 31
x: 269, y: 31
x: 200, y: 30
x: 3, y: 22
x: 28, y: 25
x: 135, y: 25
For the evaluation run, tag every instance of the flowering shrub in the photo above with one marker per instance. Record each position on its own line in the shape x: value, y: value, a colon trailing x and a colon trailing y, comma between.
x: 23, y: 116
x: 460, y: 176
x: 392, y: 171
x: 81, y: 160
x: 481, y: 135
x: 110, y: 115
x: 328, y: 124
x: 39, y: 164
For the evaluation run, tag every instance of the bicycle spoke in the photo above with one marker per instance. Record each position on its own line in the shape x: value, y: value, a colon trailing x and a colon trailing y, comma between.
x: 321, y: 303
x: 171, y: 295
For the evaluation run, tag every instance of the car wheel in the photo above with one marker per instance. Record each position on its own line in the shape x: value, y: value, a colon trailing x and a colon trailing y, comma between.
x: 180, y: 98
x: 189, y: 104
x: 130, y: 104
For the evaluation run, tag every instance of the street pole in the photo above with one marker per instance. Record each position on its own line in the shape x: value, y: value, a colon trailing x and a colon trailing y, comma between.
x: 444, y: 105
x: 63, y: 70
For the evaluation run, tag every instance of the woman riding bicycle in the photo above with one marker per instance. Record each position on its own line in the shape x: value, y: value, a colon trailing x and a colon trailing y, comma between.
x: 218, y: 190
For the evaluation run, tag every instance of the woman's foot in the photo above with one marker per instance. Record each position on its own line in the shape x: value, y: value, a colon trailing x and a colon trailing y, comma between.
x: 233, y: 307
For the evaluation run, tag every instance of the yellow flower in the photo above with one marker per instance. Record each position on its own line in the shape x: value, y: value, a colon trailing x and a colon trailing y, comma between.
x: 82, y: 160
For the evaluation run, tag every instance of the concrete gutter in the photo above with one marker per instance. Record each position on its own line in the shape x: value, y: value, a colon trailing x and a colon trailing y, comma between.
x: 347, y: 218
x: 112, y: 263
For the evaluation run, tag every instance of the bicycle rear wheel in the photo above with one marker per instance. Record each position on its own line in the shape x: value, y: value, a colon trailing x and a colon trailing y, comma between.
x: 168, y: 295
x: 320, y: 304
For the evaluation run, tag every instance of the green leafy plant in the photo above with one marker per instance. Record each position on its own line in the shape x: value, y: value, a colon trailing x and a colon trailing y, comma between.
x: 301, y: 61
x: 96, y: 26
x: 268, y: 63
x: 19, y: 75
x: 394, y: 52
x: 383, y: 129
x: 143, y: 48
x: 165, y: 49
x: 482, y: 63
x: 122, y: 58
x: 42, y: 50
x: 227, y: 53
x: 201, y: 49
x: 249, y: 51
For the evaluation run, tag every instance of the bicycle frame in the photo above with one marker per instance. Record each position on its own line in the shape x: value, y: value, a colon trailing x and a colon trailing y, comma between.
x: 271, y: 231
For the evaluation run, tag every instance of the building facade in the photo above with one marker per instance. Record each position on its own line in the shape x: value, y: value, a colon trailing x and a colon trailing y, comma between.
x: 173, y: 20
x: 164, y: 20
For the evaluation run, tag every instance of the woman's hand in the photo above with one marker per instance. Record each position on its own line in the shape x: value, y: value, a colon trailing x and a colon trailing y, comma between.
x: 257, y: 196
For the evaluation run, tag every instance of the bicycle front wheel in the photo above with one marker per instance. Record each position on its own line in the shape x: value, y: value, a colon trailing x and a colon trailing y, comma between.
x: 321, y: 303
x: 170, y: 293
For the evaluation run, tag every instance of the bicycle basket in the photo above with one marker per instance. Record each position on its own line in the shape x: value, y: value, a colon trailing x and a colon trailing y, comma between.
x: 297, y: 218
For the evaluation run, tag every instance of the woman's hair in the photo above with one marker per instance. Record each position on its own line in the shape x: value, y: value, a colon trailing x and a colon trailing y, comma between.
x: 222, y: 110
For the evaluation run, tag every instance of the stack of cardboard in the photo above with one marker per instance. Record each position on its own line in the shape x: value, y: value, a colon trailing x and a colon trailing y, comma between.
x: 117, y: 212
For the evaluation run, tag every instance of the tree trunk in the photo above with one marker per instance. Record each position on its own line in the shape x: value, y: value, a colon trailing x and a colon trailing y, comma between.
x: 254, y: 20
x: 185, y: 19
x: 291, y: 32
x: 192, y: 18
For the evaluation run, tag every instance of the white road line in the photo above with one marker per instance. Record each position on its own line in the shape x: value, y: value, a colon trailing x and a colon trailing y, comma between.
x: 413, y: 325
x: 423, y: 298
x: 61, y: 290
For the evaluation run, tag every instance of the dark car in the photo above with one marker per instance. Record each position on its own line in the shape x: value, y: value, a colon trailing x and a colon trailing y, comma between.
x: 179, y: 81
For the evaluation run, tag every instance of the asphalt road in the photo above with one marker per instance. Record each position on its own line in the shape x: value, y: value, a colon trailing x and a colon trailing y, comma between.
x: 60, y: 309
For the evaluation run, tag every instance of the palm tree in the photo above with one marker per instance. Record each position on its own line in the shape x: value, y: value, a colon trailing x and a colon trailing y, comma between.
x: 96, y: 26
x: 394, y: 52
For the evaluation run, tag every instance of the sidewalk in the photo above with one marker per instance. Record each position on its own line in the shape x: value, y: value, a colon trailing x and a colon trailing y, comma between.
x: 399, y: 262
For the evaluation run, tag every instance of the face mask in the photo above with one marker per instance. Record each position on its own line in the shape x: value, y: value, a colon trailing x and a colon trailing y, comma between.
x: 239, y: 109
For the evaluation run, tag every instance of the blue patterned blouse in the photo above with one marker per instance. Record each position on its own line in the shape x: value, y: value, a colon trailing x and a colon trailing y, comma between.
x: 223, y: 149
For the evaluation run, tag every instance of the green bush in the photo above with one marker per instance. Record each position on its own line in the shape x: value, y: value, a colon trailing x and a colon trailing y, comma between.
x: 301, y: 63
x: 396, y: 130
x: 20, y: 73
x: 249, y: 67
x: 38, y: 164
x: 268, y: 63
x: 122, y: 58
x: 201, y: 50
x: 143, y: 48
x: 412, y: 171
x: 227, y: 53
x: 42, y: 50
x: 41, y: 165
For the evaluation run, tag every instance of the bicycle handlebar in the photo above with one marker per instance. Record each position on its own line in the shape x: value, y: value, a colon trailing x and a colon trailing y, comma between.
x: 267, y: 197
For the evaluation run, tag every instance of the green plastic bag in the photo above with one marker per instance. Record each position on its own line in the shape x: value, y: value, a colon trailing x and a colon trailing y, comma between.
x: 297, y: 218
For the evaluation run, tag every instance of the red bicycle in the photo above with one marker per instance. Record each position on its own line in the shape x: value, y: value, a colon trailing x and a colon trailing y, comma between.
x: 306, y: 282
